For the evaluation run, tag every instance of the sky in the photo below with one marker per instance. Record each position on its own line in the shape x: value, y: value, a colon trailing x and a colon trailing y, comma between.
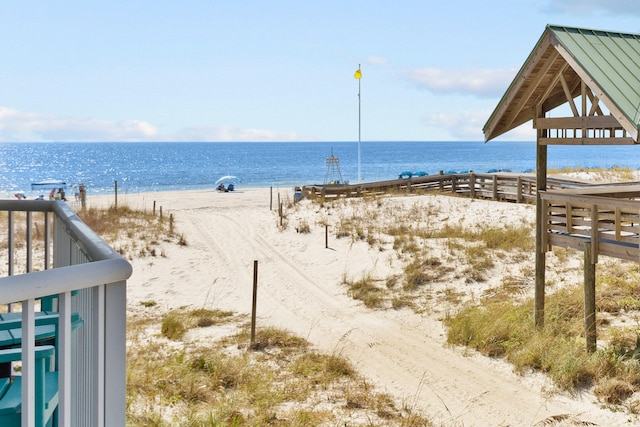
x: 272, y: 70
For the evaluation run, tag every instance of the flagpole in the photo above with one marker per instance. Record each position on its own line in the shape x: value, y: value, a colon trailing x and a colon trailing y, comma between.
x: 359, y: 76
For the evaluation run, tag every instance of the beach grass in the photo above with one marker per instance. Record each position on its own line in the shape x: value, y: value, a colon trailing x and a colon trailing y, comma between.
x: 611, y: 174
x: 279, y: 381
x: 502, y: 326
x: 133, y: 232
x: 499, y: 323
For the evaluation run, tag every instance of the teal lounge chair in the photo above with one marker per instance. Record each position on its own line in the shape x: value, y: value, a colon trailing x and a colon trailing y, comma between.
x: 46, y: 332
x: 46, y: 396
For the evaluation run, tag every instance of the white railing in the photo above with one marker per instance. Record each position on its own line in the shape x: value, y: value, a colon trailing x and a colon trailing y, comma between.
x: 89, y: 278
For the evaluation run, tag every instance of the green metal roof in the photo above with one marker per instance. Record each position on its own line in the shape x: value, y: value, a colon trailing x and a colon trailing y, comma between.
x: 611, y: 59
x: 608, y: 62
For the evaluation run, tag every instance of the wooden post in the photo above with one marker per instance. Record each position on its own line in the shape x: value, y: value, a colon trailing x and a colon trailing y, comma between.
x: 281, y: 213
x: 83, y: 195
x: 10, y: 243
x: 454, y: 187
x: 541, y: 251
x: 29, y: 242
x: 472, y: 185
x: 326, y: 236
x: 254, y: 303
x: 160, y: 212
x: 116, y: 190
x: 589, y: 298
x: 519, y: 189
x: 271, y: 198
x: 154, y: 208
x: 494, y: 194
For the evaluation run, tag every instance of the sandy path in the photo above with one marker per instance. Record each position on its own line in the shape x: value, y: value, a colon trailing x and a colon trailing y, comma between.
x: 299, y: 289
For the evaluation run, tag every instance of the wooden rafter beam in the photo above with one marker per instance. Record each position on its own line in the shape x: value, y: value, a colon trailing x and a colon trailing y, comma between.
x: 495, y: 125
x: 583, y: 97
x: 568, y: 95
x: 595, y: 106
x: 533, y: 85
x: 589, y: 122
x: 586, y: 141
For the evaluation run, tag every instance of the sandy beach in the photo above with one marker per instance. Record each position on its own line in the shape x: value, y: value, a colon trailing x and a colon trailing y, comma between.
x: 300, y: 288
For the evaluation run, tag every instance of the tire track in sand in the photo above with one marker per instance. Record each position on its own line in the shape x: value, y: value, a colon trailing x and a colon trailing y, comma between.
x: 403, y: 357
x: 395, y: 349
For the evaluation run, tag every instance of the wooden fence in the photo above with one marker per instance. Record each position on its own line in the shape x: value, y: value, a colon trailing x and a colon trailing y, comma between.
x: 496, y: 186
x: 610, y: 223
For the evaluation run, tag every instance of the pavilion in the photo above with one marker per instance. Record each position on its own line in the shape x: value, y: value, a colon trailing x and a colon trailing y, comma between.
x: 578, y: 87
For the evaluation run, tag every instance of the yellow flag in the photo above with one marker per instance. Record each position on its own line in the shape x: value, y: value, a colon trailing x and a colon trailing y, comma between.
x: 358, y: 74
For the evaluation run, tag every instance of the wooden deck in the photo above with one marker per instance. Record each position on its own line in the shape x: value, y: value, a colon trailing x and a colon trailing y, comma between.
x: 606, y: 216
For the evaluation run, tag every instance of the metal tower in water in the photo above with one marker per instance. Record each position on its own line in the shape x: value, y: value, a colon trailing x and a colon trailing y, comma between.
x: 333, y: 175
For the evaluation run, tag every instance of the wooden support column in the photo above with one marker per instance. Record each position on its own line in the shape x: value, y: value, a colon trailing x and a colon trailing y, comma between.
x: 519, y: 189
x: 589, y: 298
x: 541, y: 185
x: 494, y: 195
x: 472, y: 185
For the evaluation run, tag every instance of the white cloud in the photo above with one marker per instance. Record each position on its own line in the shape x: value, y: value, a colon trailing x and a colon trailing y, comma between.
x: 467, y: 126
x: 482, y: 83
x: 229, y: 133
x: 18, y: 126
x: 25, y: 126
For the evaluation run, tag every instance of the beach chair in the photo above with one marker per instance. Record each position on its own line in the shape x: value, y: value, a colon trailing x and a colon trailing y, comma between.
x: 46, y: 333
x: 46, y: 390
x: 46, y: 376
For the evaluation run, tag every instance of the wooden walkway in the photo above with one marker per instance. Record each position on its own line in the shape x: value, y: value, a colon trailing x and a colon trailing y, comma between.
x: 495, y: 186
x: 575, y: 212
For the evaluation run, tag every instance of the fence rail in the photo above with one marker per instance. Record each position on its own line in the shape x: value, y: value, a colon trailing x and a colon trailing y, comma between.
x: 496, y: 186
x: 610, y: 224
x: 51, y: 252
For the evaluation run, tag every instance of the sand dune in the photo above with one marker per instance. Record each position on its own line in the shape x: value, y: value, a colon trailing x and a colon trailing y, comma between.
x: 300, y: 289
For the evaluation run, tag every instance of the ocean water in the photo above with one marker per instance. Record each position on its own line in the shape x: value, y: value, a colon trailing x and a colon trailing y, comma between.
x: 142, y: 167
